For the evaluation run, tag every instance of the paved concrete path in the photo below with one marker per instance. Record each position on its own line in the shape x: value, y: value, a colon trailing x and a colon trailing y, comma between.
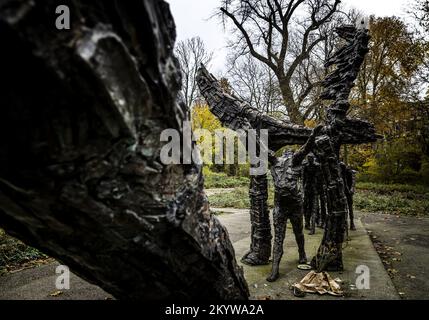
x: 403, y: 244
x: 39, y: 282
x: 358, y: 251
x: 211, y: 192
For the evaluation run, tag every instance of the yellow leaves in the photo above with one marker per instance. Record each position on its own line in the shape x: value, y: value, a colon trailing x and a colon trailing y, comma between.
x: 371, y: 166
x: 202, y: 118
x: 394, y: 57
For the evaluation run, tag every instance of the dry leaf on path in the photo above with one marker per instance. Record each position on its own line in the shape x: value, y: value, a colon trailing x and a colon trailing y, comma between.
x: 321, y: 283
x: 56, y: 293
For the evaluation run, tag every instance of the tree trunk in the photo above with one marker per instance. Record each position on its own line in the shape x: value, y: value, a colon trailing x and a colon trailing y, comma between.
x: 292, y: 108
x: 80, y: 172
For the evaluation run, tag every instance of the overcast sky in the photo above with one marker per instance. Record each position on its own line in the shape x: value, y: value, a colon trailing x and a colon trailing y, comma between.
x: 192, y: 19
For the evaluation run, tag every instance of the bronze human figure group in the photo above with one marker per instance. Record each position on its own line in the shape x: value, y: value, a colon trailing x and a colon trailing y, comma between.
x: 312, y: 184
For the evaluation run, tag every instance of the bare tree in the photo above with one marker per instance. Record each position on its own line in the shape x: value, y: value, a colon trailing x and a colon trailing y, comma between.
x: 420, y: 12
x: 255, y: 83
x: 191, y: 54
x: 283, y: 35
x: 308, y: 79
x: 420, y: 107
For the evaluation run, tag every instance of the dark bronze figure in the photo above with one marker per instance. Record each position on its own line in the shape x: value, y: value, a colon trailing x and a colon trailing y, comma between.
x: 287, y: 173
x: 311, y: 169
x: 338, y: 130
x: 349, y: 183
x: 260, y: 245
x: 321, y: 193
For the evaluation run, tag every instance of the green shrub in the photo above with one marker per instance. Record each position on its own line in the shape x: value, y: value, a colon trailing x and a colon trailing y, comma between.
x: 221, y: 180
x: 424, y: 170
x: 395, y: 161
x: 239, y: 199
x: 392, y: 203
x: 388, y: 188
x: 370, y: 197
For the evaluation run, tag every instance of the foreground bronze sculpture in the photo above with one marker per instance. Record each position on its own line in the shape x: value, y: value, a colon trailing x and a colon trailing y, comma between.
x: 80, y: 174
x: 338, y: 129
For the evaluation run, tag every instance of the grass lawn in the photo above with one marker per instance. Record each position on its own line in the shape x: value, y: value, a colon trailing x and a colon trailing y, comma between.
x: 370, y: 197
x: 221, y: 180
x: 399, y: 199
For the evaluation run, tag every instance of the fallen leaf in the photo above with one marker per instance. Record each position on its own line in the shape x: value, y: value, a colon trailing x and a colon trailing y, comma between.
x: 56, y: 293
x: 320, y: 283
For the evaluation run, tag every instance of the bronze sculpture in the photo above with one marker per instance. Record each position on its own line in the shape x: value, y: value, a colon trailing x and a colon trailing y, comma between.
x: 237, y: 114
x: 349, y: 178
x: 311, y: 181
x: 338, y: 129
x: 80, y: 174
x: 287, y: 172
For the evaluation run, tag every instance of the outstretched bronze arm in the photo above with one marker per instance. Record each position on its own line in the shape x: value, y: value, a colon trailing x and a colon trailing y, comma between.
x: 235, y: 114
x: 299, y: 156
